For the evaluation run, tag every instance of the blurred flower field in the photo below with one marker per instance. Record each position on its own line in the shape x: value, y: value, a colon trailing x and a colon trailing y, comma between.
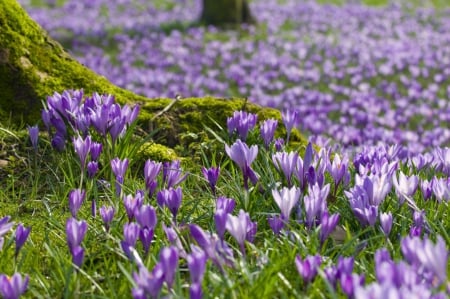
x: 360, y: 210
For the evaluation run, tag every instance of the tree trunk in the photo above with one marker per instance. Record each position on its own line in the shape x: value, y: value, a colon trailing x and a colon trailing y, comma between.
x: 223, y: 12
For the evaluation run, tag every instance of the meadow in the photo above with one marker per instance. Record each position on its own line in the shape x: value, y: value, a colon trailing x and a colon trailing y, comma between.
x: 359, y: 210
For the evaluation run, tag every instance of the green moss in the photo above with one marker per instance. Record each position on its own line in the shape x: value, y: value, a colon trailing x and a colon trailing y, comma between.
x: 156, y: 152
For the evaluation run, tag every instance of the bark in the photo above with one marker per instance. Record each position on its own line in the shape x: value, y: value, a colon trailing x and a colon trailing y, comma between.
x: 223, y: 12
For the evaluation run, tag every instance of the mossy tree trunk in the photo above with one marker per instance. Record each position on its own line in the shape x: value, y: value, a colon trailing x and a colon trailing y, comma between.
x: 33, y: 66
x: 222, y: 12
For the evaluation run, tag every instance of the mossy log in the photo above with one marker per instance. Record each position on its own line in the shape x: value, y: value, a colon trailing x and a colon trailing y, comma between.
x: 222, y: 12
x: 34, y: 66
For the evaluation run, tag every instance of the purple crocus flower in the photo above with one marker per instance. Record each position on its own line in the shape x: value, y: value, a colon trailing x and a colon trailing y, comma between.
x: 82, y: 148
x: 441, y: 189
x: 276, y: 223
x: 130, y: 234
x: 242, y: 122
x: 172, y: 173
x: 5, y: 226
x: 75, y: 232
x: 96, y: 150
x: 33, y: 132
x: 339, y: 170
x: 286, y: 200
x: 303, y: 166
x: 195, y: 291
x: 315, y: 203
x: 211, y: 175
x: 107, y: 214
x: 386, y: 223
x: 279, y: 143
x: 287, y: 163
x: 21, y: 237
x: 13, y: 287
x: 196, y: 263
x: 350, y: 282
x: 92, y: 169
x: 171, y: 198
x: 168, y: 258
x: 119, y: 168
x: 132, y: 204
x: 224, y: 203
x: 241, y: 228
x: 345, y: 265
x: 148, y: 284
x: 405, y: 186
x: 76, y: 198
x: 244, y: 156
x: 308, y: 267
x: 59, y: 142
x: 267, y: 131
x: 290, y: 120
x: 220, y: 219
x: 327, y: 225
x: 151, y: 171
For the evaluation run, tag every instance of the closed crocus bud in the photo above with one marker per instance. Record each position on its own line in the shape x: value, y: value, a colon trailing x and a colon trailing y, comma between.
x: 169, y: 261
x: 211, y: 174
x: 267, y: 131
x: 34, y: 135
x: 107, y: 214
x: 21, y: 237
x: 76, y: 198
x: 386, y: 223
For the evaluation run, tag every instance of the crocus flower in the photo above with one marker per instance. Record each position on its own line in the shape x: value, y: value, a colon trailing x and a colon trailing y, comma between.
x: 220, y: 219
x: 315, y: 203
x: 5, y: 226
x: 13, y: 287
x: 172, y: 173
x: 441, y: 189
x: 82, y: 149
x: 92, y: 169
x: 307, y: 268
x: 130, y: 234
x: 211, y: 175
x: 327, y: 225
x: 168, y: 258
x: 267, y: 131
x: 276, y: 224
x: 303, y: 165
x: 224, y: 203
x: 119, y: 168
x: 290, y: 120
x: 107, y: 214
x: 76, y: 198
x: 386, y: 223
x: 75, y: 232
x: 171, y: 198
x: 148, y: 284
x: 350, y: 282
x: 196, y: 263
x: 286, y: 162
x: 339, y: 170
x: 195, y: 291
x: 151, y: 171
x: 33, y: 132
x: 405, y: 186
x: 286, y: 200
x: 242, y: 122
x: 244, y: 156
x: 21, y: 237
x: 241, y: 228
x: 95, y: 150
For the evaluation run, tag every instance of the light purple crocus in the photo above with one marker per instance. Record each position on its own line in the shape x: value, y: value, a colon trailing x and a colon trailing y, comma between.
x: 107, y: 215
x: 287, y: 163
x: 33, y: 132
x: 386, y: 223
x: 5, y: 226
x: 308, y: 267
x: 315, y: 203
x: 267, y: 131
x: 327, y: 225
x: 405, y: 186
x: 21, y: 237
x: 119, y: 168
x: 196, y: 263
x: 168, y: 258
x: 290, y: 120
x: 13, y: 287
x: 76, y: 198
x: 130, y: 236
x: 224, y: 203
x: 148, y: 284
x: 151, y: 171
x: 276, y: 223
x: 82, y: 148
x: 75, y: 232
x: 244, y: 156
x: 241, y: 228
x: 286, y: 200
x: 173, y: 173
x: 242, y: 122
